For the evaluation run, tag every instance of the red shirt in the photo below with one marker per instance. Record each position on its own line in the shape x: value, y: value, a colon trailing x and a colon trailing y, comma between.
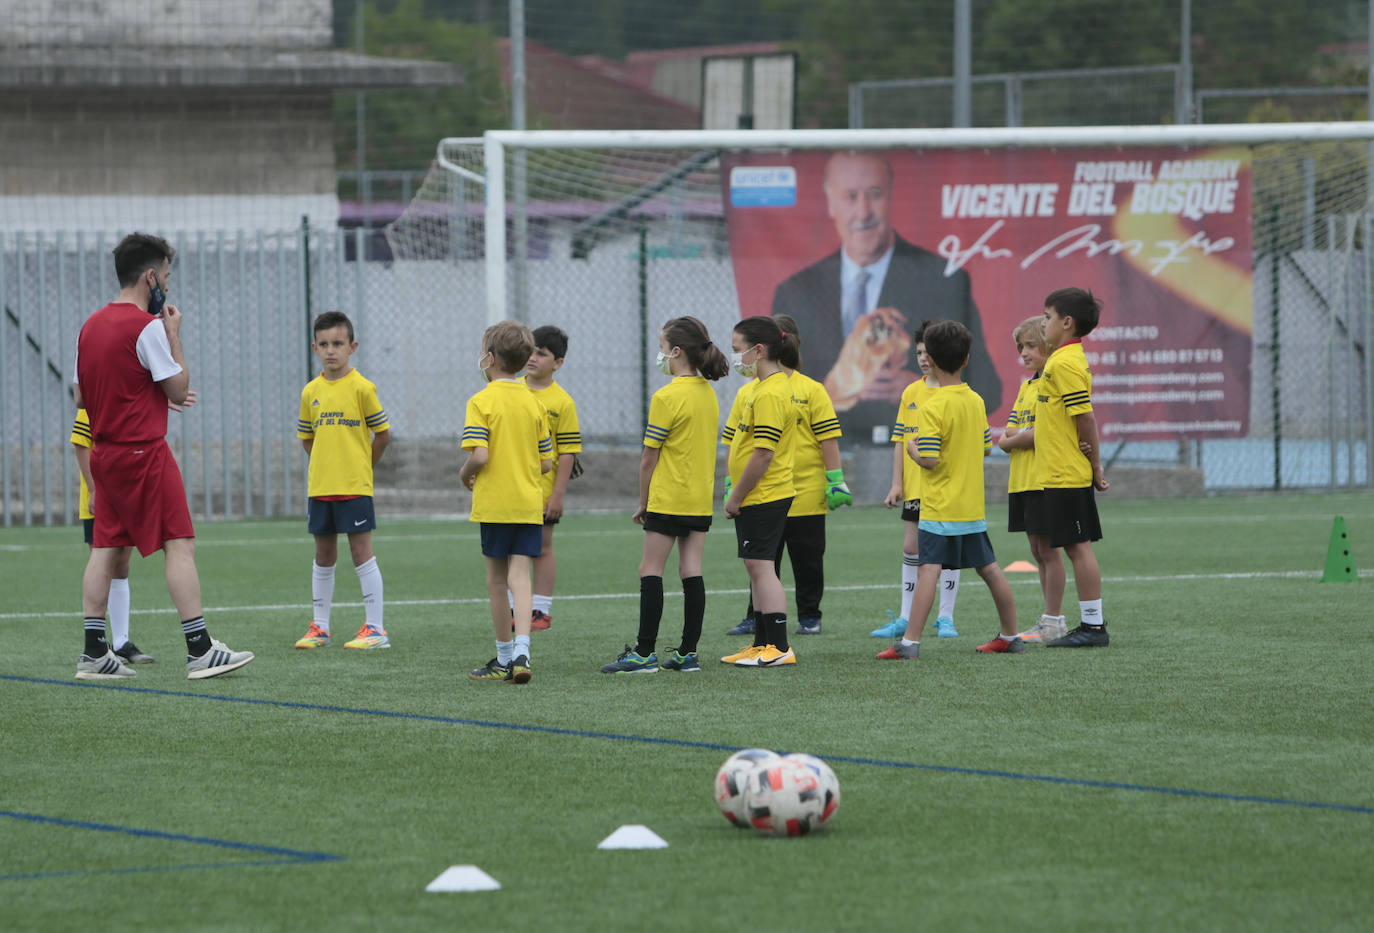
x: 124, y: 403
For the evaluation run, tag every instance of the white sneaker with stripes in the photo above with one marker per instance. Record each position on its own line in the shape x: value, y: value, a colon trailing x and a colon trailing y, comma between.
x: 107, y: 667
x: 218, y: 660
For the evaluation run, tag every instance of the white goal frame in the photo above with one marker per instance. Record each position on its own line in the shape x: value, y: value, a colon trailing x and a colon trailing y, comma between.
x: 496, y: 142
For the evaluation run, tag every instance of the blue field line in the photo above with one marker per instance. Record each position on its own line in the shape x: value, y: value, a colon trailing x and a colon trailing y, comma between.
x: 712, y: 746
x: 286, y: 856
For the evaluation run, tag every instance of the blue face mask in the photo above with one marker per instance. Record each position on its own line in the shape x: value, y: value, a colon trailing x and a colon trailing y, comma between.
x: 157, y: 297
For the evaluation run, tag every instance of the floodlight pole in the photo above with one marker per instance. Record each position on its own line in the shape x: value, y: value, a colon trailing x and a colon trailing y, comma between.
x: 963, y: 64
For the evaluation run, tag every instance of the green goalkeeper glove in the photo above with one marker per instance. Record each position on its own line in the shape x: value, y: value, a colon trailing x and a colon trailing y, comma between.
x: 836, y: 492
x: 729, y: 487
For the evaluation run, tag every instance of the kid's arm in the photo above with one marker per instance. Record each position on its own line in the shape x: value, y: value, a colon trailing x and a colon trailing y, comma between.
x: 473, y: 465
x: 554, y: 508
x: 1022, y: 439
x: 894, y: 494
x: 925, y: 463
x: 1087, y: 434
x: 758, y: 464
x: 308, y: 443
x: 83, y: 461
x: 545, y: 465
x: 648, y: 461
x: 379, y: 441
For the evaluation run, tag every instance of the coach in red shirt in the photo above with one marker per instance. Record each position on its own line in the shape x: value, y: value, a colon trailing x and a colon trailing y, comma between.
x: 129, y: 368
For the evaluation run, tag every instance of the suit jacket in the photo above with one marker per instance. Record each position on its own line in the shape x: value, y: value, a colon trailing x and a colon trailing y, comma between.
x: 915, y: 285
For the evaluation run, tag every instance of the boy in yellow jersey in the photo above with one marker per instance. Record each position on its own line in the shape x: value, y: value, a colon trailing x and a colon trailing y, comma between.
x: 550, y: 349
x: 1024, y: 511
x: 1067, y: 463
x: 952, y: 438
x: 676, y: 493
x: 120, y: 599
x: 761, y: 481
x: 506, y: 431
x: 906, y: 492
x: 344, y: 429
x: 818, y: 477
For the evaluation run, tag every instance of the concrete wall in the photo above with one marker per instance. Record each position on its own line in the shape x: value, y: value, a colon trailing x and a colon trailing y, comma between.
x: 294, y: 24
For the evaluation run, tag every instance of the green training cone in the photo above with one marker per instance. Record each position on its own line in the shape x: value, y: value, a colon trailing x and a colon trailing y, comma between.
x: 1340, y: 566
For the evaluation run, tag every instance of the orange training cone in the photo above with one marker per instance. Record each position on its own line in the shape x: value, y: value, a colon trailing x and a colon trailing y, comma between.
x: 1020, y: 566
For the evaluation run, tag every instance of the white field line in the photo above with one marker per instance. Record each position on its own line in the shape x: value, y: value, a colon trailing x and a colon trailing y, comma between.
x: 1016, y: 579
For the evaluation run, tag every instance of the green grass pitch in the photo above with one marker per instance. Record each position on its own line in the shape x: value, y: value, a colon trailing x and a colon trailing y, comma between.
x: 1210, y: 770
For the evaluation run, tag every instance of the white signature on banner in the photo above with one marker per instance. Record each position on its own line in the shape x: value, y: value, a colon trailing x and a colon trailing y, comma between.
x: 1083, y: 239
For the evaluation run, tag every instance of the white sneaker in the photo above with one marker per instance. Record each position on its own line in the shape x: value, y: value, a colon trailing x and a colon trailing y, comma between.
x: 1046, y: 628
x: 218, y: 660
x: 107, y: 667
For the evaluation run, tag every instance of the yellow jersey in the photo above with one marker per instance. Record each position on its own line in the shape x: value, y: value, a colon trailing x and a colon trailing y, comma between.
x: 81, y: 437
x: 816, y: 422
x: 768, y: 419
x: 1021, y: 473
x: 904, y: 428
x: 563, y: 428
x: 340, y: 416
x: 952, y: 426
x: 1065, y: 391
x: 682, y: 426
x: 507, y: 419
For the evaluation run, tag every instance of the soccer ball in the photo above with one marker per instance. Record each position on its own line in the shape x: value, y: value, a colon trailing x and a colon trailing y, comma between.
x: 730, y: 781
x: 830, y: 785
x: 784, y: 798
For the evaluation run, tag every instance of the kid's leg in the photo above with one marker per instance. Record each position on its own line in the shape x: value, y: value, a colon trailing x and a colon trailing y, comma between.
x: 949, y: 593
x: 806, y: 550
x: 322, y: 579
x: 370, y: 579
x: 749, y: 625
x: 119, y: 604
x: 545, y: 574
x: 1087, y: 577
x: 689, y: 553
x: 518, y: 582
x: 1052, y: 578
x: 910, y: 571
x: 770, y: 602
x: 1007, y: 642
x: 498, y: 572
x: 657, y: 547
x: 922, y: 599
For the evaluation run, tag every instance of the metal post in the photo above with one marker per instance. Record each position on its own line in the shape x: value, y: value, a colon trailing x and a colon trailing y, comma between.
x: 1333, y: 270
x: 1367, y: 317
x: 1276, y: 400
x: 360, y: 118
x: 23, y: 379
x: 265, y: 356
x: 1184, y: 93
x: 963, y: 58
x: 495, y: 221
x: 520, y: 180
x: 643, y: 324
x: 4, y: 401
x: 43, y: 421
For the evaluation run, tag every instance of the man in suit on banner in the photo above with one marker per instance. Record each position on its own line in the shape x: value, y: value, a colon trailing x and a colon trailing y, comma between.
x: 856, y: 309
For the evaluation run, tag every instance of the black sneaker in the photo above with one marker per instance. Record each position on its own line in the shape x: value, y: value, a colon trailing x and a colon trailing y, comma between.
x: 519, y: 670
x: 131, y: 655
x: 1085, y: 636
x: 746, y: 627
x: 492, y: 672
x: 809, y: 627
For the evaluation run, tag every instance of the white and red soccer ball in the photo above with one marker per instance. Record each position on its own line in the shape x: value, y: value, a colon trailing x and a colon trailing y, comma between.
x: 778, y: 796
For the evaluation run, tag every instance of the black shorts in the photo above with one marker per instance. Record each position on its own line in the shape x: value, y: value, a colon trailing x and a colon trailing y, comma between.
x: 88, y: 529
x: 911, y: 510
x: 955, y: 552
x: 1026, y: 512
x: 502, y: 539
x: 675, y: 526
x: 340, y: 516
x: 759, y: 529
x: 1071, y: 516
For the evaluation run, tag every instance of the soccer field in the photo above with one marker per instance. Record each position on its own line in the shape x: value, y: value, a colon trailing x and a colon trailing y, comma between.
x: 1210, y: 770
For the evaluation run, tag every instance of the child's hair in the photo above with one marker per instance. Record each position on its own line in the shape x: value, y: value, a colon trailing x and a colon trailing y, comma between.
x: 690, y: 334
x: 1031, y: 332
x: 788, y: 325
x: 948, y: 344
x: 511, y: 343
x: 333, y: 319
x: 780, y: 347
x: 552, y: 339
x: 137, y: 253
x: 1079, y: 304
x: 919, y: 334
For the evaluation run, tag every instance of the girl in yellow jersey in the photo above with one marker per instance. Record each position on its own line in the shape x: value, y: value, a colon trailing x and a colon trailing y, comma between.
x: 676, y: 492
x: 761, y: 481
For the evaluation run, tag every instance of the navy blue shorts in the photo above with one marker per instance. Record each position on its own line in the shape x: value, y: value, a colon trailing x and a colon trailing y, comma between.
x: 340, y: 516
x: 955, y: 552
x: 502, y: 539
x: 675, y: 526
x: 88, y: 529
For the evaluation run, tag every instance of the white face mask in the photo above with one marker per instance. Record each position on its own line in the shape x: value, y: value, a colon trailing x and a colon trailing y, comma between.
x: 664, y: 362
x: 747, y: 370
x: 483, y: 368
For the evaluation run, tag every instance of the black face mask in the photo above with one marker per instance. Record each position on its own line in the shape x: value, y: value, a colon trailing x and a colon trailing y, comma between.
x: 157, y: 297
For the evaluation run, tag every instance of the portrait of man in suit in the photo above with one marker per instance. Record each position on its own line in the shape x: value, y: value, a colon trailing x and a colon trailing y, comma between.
x: 856, y: 308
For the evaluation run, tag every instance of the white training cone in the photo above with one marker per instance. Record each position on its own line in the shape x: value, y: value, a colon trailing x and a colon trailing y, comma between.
x: 464, y: 878
x: 633, y: 836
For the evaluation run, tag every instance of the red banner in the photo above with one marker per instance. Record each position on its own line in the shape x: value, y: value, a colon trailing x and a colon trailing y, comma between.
x: 860, y: 247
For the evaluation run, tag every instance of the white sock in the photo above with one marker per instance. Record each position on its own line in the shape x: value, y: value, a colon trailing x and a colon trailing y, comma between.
x: 505, y: 652
x: 370, y: 576
x: 1008, y: 637
x: 908, y: 641
x: 543, y: 604
x: 510, y: 599
x: 909, y: 570
x: 949, y: 592
x: 322, y: 594
x: 522, y: 646
x: 1091, y: 610
x: 119, y: 612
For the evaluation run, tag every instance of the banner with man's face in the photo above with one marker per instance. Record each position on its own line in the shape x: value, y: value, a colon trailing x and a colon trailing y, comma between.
x: 861, y: 247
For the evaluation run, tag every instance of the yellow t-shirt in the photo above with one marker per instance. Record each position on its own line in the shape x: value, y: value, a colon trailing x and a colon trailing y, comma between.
x: 768, y: 419
x: 1021, y: 472
x: 341, y: 416
x: 563, y: 428
x: 81, y: 437
x: 816, y: 422
x: 508, y: 420
x: 913, y: 397
x: 952, y: 426
x: 682, y: 425
x: 1065, y: 391
x: 727, y: 431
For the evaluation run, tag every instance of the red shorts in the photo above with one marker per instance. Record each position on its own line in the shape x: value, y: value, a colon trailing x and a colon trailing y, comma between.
x: 141, y: 501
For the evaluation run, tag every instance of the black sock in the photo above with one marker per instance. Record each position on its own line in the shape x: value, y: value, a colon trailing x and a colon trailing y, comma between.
x: 760, y: 630
x: 96, y: 645
x: 650, y: 613
x: 693, y: 612
x: 197, y: 638
x: 776, y: 624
